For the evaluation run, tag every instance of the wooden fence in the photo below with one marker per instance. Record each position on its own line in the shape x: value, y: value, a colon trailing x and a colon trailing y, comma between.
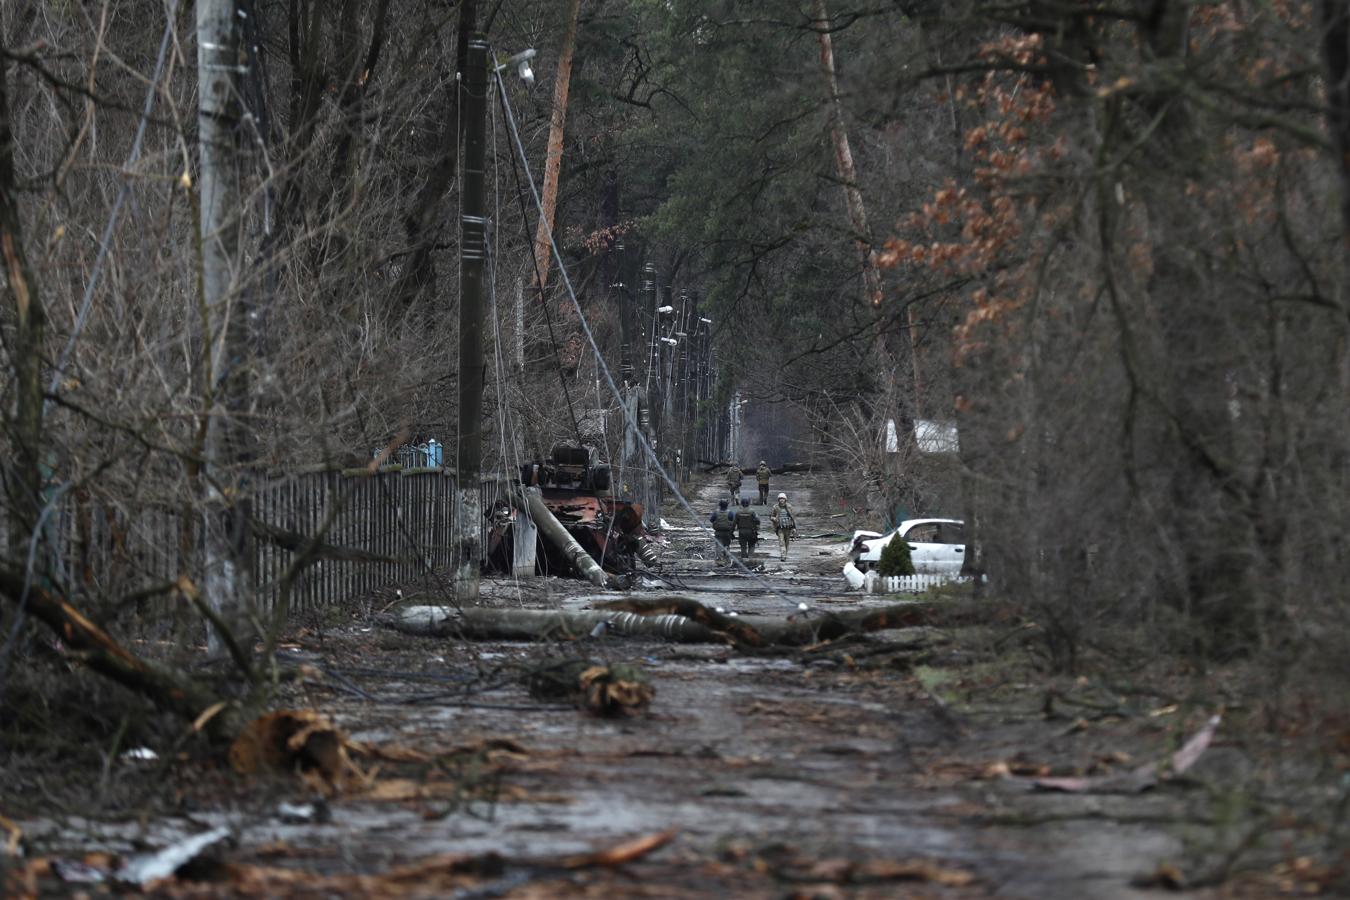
x: 406, y: 517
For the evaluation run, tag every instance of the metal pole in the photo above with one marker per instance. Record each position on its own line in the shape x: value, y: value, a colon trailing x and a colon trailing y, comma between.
x: 469, y: 456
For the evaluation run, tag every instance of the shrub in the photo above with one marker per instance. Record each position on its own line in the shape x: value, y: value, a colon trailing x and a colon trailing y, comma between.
x: 895, y: 558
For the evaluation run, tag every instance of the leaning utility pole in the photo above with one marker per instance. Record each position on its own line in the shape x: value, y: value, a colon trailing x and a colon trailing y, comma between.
x: 228, y: 531
x: 857, y: 212
x: 543, y: 255
x: 473, y: 250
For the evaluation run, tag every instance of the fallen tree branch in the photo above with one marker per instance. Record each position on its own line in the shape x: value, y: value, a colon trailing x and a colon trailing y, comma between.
x: 168, y: 688
x: 294, y: 541
x: 1144, y: 777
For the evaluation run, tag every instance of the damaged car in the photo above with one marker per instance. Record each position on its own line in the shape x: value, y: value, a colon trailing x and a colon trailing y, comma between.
x: 936, y: 547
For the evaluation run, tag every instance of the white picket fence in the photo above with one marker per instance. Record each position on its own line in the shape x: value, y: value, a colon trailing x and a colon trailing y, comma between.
x: 909, y: 584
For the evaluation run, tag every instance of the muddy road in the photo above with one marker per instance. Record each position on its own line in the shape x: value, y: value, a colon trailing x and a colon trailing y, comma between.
x: 895, y: 765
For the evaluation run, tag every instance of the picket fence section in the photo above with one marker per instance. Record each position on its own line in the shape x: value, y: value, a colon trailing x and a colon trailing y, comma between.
x: 406, y: 516
x: 917, y: 584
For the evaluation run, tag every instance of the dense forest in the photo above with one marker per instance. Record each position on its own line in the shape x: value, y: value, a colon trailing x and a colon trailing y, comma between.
x: 1108, y: 242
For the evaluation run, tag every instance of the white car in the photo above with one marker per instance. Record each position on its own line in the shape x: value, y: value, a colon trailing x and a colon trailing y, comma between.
x: 936, y: 546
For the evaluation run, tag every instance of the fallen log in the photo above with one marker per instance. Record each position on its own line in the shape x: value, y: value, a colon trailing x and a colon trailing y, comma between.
x: 677, y: 619
x: 479, y: 624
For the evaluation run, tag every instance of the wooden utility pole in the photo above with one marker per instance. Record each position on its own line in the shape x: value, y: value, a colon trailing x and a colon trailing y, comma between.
x: 228, y: 535
x: 473, y: 250
x: 857, y: 212
x: 543, y: 255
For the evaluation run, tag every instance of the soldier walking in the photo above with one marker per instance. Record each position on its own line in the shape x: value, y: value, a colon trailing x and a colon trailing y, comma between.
x: 734, y: 483
x: 747, y: 528
x: 762, y: 476
x: 724, y: 526
x: 784, y: 524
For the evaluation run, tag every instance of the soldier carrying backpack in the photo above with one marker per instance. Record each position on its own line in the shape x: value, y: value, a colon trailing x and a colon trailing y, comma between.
x: 734, y: 482
x: 762, y: 479
x: 724, y: 526
x: 747, y: 528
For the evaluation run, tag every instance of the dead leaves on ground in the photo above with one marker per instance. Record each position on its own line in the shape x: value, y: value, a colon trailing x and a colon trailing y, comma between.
x: 618, y: 689
x: 299, y: 741
x: 306, y: 744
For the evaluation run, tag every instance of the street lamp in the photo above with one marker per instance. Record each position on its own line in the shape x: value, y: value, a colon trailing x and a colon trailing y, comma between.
x: 522, y: 63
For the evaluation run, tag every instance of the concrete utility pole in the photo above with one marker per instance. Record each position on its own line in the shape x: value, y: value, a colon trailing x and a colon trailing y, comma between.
x: 685, y: 334
x: 469, y: 455
x: 627, y: 317
x: 651, y: 400
x: 648, y: 308
x: 227, y: 538
x: 668, y: 365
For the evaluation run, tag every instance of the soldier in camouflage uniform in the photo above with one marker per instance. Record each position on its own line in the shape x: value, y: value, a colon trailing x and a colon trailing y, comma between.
x: 762, y: 476
x: 747, y: 528
x: 734, y: 483
x: 724, y: 526
x: 784, y: 524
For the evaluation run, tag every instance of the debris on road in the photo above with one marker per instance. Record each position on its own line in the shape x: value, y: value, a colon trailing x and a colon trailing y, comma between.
x: 140, y: 871
x: 299, y: 741
x: 1146, y: 776
x: 614, y: 690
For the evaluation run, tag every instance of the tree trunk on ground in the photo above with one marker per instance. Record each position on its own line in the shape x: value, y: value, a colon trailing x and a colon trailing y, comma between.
x: 226, y: 380
x: 553, y: 161
x: 677, y: 619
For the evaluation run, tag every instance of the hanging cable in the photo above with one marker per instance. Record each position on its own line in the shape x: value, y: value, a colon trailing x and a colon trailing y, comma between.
x: 649, y: 452
x: 81, y: 318
x: 538, y: 275
x: 499, y: 365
